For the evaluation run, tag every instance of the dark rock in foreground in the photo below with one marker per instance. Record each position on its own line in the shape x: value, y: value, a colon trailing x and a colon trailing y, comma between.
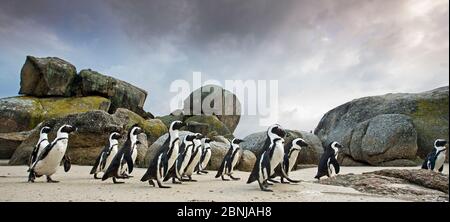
x: 401, y: 184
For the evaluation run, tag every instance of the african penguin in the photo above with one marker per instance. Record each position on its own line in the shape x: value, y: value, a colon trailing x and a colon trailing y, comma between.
x: 165, y: 159
x: 123, y: 161
x: 106, y: 155
x: 436, y: 158
x: 195, y: 158
x: 289, y: 160
x: 183, y: 158
x: 206, y: 156
x: 328, y: 164
x: 51, y: 156
x: 271, y: 156
x: 40, y: 145
x: 230, y: 160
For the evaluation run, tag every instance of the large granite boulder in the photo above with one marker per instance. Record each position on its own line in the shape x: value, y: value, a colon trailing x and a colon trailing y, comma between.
x: 48, y: 76
x: 121, y: 94
x: 94, y: 128
x: 309, y: 155
x: 220, y: 102
x: 384, y: 138
x: 207, y: 125
x: 23, y: 113
x: 428, y: 113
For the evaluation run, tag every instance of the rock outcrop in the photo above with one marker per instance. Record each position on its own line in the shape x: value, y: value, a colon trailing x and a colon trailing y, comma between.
x: 310, y: 155
x: 390, y: 123
x: 120, y: 93
x: 49, y: 76
x: 23, y: 113
x: 220, y: 102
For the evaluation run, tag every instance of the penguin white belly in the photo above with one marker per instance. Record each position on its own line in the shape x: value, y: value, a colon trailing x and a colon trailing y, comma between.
x: 292, y: 160
x: 234, y: 161
x: 42, y: 146
x: 123, y: 168
x: 277, y: 157
x: 206, y: 160
x: 51, y: 162
x: 109, y: 159
x: 440, y: 159
x: 174, y: 156
x: 186, y: 159
x: 134, y: 155
x: 191, y: 167
x: 99, y: 166
x: 331, y: 170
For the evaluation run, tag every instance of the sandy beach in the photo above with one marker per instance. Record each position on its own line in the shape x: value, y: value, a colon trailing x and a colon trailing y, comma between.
x: 77, y: 185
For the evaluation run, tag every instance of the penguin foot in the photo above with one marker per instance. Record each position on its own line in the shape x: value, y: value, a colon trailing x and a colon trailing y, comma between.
x: 117, y: 182
x: 267, y: 183
x: 234, y: 178
x: 174, y: 181
x: 204, y: 171
x: 96, y: 177
x: 223, y: 178
x: 285, y: 182
x: 162, y: 186
x: 266, y: 189
x: 151, y: 183
x: 50, y: 180
x: 273, y: 181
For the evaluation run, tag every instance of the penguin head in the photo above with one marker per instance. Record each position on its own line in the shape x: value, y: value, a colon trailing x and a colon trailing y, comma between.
x: 67, y: 129
x: 276, y: 131
x: 135, y: 130
x: 176, y: 125
x: 205, y: 142
x: 298, y: 144
x: 190, y: 138
x: 114, y: 136
x: 237, y: 141
x: 46, y: 130
x: 336, y: 146
x: 440, y: 144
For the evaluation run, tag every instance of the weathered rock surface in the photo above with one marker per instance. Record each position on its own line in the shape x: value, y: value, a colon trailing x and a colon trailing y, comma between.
x: 9, y: 142
x: 219, y: 102
x: 207, y: 125
x: 411, y: 185
x: 428, y: 113
x: 310, y: 155
x: 23, y: 113
x: 121, y: 94
x: 48, y: 76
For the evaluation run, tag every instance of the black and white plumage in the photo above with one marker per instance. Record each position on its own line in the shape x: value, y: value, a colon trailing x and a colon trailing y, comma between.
x: 289, y: 160
x: 206, y: 156
x: 123, y: 161
x: 197, y: 153
x: 436, y: 158
x: 230, y: 160
x: 183, y: 158
x: 51, y: 156
x: 328, y: 164
x: 40, y: 145
x: 106, y: 156
x: 271, y: 156
x: 165, y: 159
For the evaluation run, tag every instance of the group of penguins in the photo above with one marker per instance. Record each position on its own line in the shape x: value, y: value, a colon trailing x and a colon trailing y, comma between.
x: 179, y: 159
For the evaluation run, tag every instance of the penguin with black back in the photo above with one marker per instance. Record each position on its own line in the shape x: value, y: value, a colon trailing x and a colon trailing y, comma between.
x: 436, y: 158
x: 51, y: 156
x: 230, y: 160
x: 328, y: 164
x: 165, y: 159
x: 107, y: 154
x: 123, y: 160
x: 271, y: 156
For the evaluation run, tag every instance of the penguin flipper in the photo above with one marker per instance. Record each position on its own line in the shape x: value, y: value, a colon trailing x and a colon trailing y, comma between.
x: 335, y: 164
x: 97, y: 162
x: 221, y: 168
x: 129, y: 161
x: 254, y: 174
x: 441, y: 169
x: 67, y: 164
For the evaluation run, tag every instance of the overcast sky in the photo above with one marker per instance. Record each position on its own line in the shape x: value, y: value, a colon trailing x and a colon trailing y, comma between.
x: 323, y: 53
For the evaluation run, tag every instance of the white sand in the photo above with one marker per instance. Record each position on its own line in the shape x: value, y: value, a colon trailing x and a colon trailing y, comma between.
x: 78, y: 185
